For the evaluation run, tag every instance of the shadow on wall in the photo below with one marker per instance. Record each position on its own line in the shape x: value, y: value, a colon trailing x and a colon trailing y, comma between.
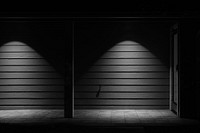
x: 127, y: 76
x: 27, y: 80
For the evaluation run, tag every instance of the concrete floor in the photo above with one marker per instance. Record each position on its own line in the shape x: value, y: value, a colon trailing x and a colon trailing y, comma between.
x: 94, y: 117
x: 98, y: 121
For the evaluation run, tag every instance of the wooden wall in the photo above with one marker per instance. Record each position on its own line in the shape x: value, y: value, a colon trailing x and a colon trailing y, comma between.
x: 27, y: 80
x: 127, y: 76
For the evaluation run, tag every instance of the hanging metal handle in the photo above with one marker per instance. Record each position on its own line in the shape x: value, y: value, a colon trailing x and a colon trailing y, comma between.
x: 98, y: 92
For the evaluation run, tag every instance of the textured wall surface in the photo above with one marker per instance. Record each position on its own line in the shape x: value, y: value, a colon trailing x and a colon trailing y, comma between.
x: 127, y: 76
x: 27, y: 80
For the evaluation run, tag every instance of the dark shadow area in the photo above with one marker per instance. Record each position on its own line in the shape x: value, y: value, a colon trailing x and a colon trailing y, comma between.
x: 189, y: 68
x: 73, y: 128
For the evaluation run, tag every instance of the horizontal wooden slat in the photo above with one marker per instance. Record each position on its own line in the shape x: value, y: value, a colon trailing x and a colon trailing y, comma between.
x: 122, y: 88
x: 19, y: 55
x: 122, y: 95
x: 23, y: 62
x: 14, y: 107
x: 86, y: 102
x: 31, y: 95
x: 15, y: 48
x: 126, y: 75
x: 128, y: 48
x: 26, y: 68
x: 128, y: 68
x: 128, y: 62
x: 16, y: 43
x: 128, y: 55
x: 27, y: 81
x: 29, y: 75
x: 124, y: 82
x: 30, y: 88
x: 30, y: 81
x: 127, y: 42
x: 121, y: 107
x: 28, y: 102
x: 30, y: 107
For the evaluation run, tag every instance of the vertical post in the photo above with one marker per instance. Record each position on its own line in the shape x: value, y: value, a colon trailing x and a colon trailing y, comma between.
x: 68, y: 109
x: 69, y: 79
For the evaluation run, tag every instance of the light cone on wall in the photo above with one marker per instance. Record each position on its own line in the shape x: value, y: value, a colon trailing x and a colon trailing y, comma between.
x: 27, y: 80
x: 127, y: 76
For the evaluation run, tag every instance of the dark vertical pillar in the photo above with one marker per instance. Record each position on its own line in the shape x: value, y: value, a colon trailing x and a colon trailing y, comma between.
x: 197, y: 59
x: 188, y: 101
x: 68, y: 109
x: 69, y: 105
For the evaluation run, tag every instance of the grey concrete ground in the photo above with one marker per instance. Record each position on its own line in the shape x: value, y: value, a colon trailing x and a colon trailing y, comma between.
x: 98, y: 121
x: 94, y: 117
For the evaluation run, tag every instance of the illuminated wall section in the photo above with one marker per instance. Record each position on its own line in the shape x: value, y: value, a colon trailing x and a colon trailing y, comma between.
x: 27, y: 81
x: 127, y: 76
